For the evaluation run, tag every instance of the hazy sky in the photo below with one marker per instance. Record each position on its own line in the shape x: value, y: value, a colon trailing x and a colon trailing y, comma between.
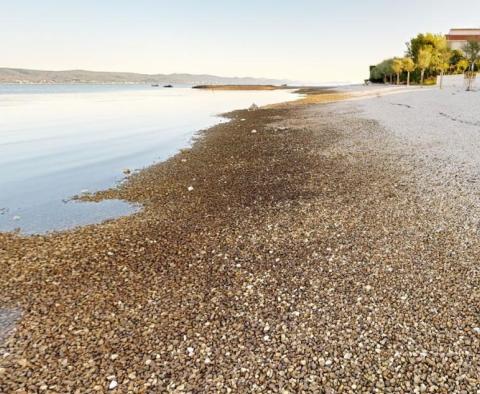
x: 311, y: 40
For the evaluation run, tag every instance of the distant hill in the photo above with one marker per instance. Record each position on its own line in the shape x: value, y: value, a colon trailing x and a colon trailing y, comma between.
x: 19, y: 75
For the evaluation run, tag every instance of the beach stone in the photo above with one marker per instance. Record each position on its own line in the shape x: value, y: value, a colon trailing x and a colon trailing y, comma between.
x: 260, y: 282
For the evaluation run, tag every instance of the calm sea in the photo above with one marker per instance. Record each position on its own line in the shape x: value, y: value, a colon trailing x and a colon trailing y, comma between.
x: 57, y: 141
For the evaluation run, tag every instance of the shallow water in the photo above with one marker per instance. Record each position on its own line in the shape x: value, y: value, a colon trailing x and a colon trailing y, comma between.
x: 57, y: 141
x: 8, y: 318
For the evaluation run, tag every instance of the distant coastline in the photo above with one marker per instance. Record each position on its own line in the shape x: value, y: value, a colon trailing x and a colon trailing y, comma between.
x: 27, y: 76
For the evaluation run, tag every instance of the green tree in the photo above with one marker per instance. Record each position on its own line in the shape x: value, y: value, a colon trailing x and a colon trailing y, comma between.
x: 388, y: 70
x: 423, y: 61
x: 472, y: 51
x: 383, y: 70
x: 455, y: 59
x: 422, y: 41
x: 461, y: 66
x: 409, y: 67
x: 375, y: 74
x: 397, y: 68
x: 441, y: 62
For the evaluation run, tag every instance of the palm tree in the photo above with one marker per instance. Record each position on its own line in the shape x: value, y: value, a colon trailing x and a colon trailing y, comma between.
x: 397, y: 68
x: 472, y: 51
x: 409, y: 67
x: 424, y: 60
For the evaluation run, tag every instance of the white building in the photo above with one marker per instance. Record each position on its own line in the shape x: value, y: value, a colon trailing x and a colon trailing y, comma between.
x: 457, y: 38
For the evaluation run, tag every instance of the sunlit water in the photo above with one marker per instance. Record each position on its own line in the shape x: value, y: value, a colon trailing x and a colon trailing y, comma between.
x: 57, y: 141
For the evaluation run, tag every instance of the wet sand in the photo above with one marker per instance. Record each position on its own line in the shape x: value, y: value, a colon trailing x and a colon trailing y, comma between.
x: 296, y: 258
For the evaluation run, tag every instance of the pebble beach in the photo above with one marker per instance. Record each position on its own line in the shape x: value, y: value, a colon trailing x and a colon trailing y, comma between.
x: 326, y: 245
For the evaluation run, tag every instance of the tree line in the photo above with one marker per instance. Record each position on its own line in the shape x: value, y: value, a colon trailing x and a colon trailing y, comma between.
x: 426, y: 57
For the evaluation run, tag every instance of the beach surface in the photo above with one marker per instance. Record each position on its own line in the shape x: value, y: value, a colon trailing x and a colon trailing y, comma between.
x: 314, y: 246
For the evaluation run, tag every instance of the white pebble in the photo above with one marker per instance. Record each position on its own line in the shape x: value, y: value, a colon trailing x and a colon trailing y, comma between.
x: 113, y: 384
x: 190, y: 188
x: 254, y: 131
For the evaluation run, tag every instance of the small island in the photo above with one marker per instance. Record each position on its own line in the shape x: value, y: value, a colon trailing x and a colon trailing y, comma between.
x: 240, y: 87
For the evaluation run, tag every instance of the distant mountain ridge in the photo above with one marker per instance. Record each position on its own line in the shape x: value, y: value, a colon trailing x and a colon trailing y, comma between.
x: 19, y: 75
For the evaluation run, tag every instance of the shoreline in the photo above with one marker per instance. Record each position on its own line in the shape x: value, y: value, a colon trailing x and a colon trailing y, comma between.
x: 300, y: 259
x: 120, y: 143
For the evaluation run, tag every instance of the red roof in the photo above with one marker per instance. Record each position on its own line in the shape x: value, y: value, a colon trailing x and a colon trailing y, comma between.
x: 463, y: 37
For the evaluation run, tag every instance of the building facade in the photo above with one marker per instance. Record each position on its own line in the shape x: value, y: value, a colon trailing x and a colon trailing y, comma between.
x: 457, y: 38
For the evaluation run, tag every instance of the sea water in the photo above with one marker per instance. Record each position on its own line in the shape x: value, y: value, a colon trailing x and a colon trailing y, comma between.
x: 59, y: 141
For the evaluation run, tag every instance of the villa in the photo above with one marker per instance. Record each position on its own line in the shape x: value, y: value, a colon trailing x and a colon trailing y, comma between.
x: 456, y: 38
